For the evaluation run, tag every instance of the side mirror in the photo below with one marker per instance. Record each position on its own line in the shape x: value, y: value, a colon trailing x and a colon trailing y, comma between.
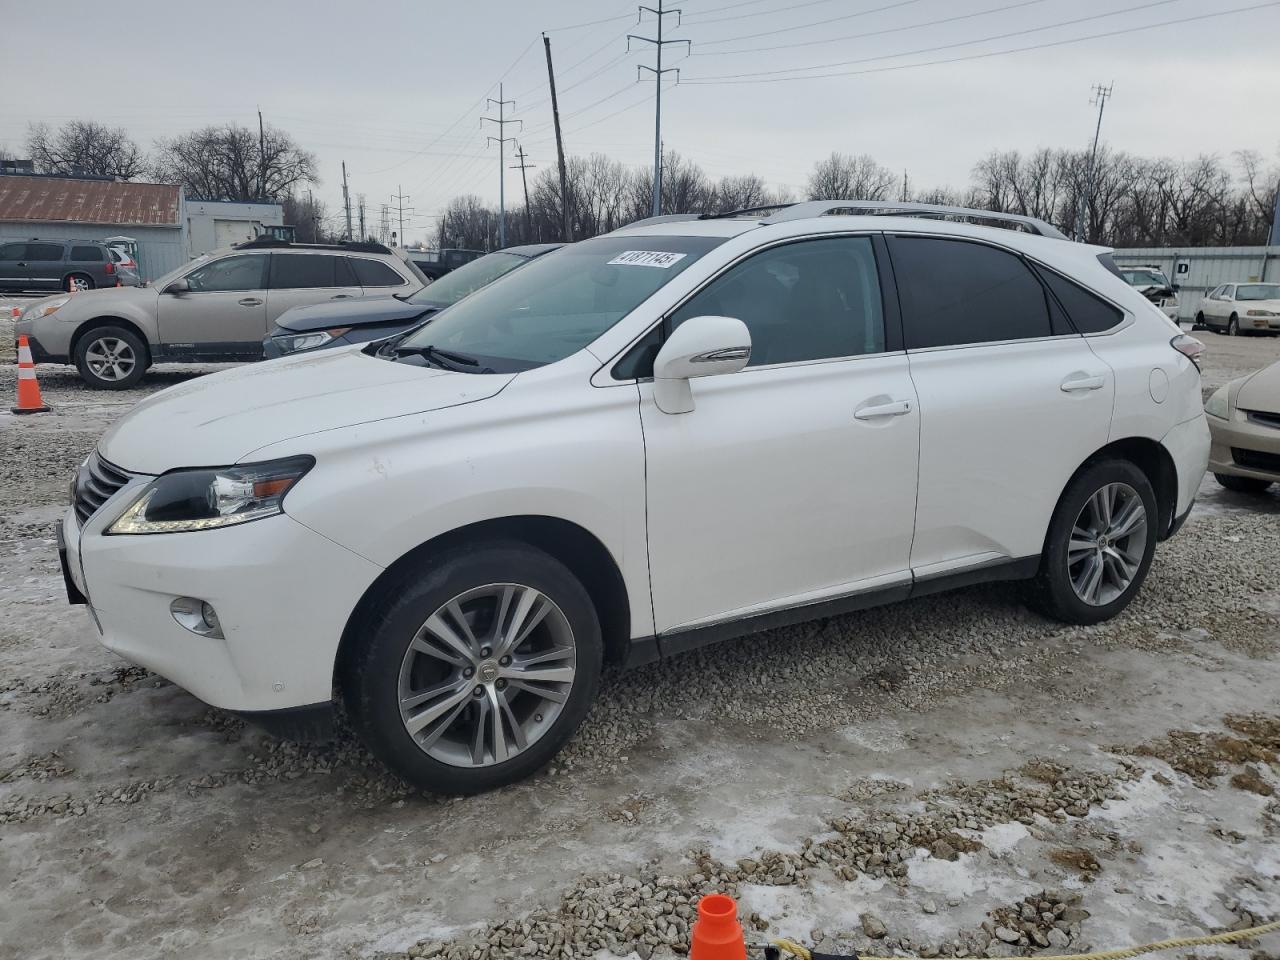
x: 178, y: 287
x: 699, y: 347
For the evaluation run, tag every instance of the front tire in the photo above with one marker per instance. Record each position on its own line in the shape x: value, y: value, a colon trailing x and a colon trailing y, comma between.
x: 475, y: 667
x: 1100, y: 544
x: 111, y: 358
x: 1241, y: 484
x: 1233, y: 326
x: 1199, y: 323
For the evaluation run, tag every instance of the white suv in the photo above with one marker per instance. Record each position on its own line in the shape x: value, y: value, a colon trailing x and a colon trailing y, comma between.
x: 686, y: 430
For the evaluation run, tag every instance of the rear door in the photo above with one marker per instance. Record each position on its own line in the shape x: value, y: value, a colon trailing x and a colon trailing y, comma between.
x: 222, y: 316
x: 46, y: 265
x: 92, y: 260
x: 301, y: 279
x: 1012, y: 401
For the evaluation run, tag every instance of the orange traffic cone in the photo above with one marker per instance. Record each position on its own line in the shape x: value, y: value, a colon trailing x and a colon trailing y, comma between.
x: 28, y: 390
x: 717, y: 934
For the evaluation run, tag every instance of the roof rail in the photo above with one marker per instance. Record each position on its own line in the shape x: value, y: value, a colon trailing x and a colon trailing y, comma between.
x: 743, y: 212
x: 883, y: 208
x: 665, y: 218
x: 266, y: 241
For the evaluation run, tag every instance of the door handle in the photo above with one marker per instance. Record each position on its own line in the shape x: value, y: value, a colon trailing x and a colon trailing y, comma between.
x: 341, y: 296
x: 250, y: 302
x: 874, y: 411
x: 1079, y: 382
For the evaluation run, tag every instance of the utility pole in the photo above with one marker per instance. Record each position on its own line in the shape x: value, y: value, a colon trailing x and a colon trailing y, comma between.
x: 360, y: 206
x: 262, y: 158
x: 384, y: 224
x: 1275, y: 226
x: 905, y: 194
x: 346, y: 198
x: 524, y: 179
x: 502, y: 140
x: 555, y: 115
x: 315, y: 220
x: 1101, y: 95
x: 399, y: 197
x: 657, y: 72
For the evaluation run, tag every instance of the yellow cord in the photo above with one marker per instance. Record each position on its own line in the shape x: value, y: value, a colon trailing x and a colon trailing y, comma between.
x: 796, y: 950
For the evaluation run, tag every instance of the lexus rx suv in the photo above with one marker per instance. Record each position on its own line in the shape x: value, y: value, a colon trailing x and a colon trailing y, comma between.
x: 686, y: 430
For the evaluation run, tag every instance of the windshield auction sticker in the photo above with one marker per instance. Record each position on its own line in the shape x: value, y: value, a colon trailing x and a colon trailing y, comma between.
x: 647, y: 258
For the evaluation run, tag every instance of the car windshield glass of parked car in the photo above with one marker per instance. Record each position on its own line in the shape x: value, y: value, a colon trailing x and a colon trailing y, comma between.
x: 1144, y: 278
x: 558, y: 304
x: 452, y: 287
x: 1258, y: 291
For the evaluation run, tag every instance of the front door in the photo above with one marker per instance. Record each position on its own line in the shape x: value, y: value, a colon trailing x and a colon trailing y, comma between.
x: 222, y: 316
x: 793, y: 481
x: 1012, y: 401
x: 301, y: 279
x: 13, y: 273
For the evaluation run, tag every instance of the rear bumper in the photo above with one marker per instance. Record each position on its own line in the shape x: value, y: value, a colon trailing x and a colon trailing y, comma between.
x: 1188, y: 445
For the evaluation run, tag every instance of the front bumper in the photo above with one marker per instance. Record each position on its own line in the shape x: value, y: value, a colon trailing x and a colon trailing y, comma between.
x: 283, y: 594
x: 1244, y: 448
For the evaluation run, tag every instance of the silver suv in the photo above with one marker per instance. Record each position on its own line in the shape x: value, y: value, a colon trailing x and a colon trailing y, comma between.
x: 216, y: 308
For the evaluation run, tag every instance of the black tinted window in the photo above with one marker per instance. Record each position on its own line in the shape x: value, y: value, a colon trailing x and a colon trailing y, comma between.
x: 13, y: 252
x: 374, y: 273
x: 230, y: 273
x: 44, y: 251
x: 954, y: 292
x: 87, y: 254
x: 290, y: 270
x: 1088, y: 313
x: 811, y: 300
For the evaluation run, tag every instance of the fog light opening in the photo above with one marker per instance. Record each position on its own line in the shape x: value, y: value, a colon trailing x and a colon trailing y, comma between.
x: 196, y: 615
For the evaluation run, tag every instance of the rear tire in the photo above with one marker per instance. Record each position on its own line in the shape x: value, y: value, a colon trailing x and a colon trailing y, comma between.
x: 79, y: 282
x: 1100, y: 544
x: 111, y: 358
x: 435, y: 640
x: 1241, y: 484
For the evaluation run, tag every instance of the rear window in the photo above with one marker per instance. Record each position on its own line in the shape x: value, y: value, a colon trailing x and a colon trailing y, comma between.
x: 87, y: 254
x: 1087, y: 312
x: 374, y: 273
x: 303, y: 270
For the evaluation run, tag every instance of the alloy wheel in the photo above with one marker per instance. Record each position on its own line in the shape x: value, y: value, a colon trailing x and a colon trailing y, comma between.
x: 1108, y: 544
x: 487, y: 675
x: 77, y: 284
x: 110, y: 358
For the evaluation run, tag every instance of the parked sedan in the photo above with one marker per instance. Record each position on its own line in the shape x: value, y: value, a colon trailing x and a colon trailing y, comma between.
x: 1244, y: 421
x: 327, y: 325
x: 1237, y: 308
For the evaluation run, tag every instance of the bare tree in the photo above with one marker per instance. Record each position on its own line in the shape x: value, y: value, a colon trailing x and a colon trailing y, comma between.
x: 468, y: 222
x: 230, y: 163
x: 308, y: 217
x: 1261, y: 186
x: 84, y: 147
x: 844, y: 177
x: 741, y: 193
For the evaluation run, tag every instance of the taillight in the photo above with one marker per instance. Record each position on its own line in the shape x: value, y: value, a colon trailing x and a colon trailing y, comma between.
x: 111, y: 268
x: 1189, y: 347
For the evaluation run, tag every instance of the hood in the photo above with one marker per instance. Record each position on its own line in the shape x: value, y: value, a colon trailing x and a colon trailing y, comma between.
x: 92, y: 300
x: 222, y: 418
x: 349, y: 313
x: 1261, y: 391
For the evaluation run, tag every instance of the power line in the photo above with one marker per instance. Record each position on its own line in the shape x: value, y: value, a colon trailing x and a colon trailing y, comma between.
x: 816, y: 23
x: 658, y: 43
x: 872, y: 33
x: 950, y: 46
x: 998, y: 53
x: 788, y: 8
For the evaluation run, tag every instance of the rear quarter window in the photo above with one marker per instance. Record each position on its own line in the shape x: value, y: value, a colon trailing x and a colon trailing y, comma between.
x: 375, y: 273
x: 1087, y: 312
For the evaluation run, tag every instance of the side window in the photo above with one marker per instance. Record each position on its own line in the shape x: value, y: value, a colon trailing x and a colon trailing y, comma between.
x: 809, y: 300
x: 1088, y: 313
x: 375, y: 273
x: 295, y: 270
x: 229, y: 273
x: 87, y: 254
x: 13, y: 252
x: 954, y: 292
x: 44, y: 251
x: 1229, y: 292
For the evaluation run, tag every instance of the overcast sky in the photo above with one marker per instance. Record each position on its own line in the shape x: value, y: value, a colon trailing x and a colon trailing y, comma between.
x: 396, y: 88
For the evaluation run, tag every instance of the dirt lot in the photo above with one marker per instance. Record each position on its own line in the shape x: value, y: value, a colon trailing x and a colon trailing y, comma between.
x: 946, y: 777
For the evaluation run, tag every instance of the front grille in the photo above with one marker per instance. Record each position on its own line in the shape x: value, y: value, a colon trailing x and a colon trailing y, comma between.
x: 1264, y: 419
x: 1256, y: 459
x: 96, y: 481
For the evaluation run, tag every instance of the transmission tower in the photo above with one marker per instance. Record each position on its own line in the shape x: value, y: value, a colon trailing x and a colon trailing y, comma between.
x: 657, y: 71
x: 502, y: 140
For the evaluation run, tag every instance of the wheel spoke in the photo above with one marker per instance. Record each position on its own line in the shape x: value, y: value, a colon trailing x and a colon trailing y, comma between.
x: 530, y: 609
x: 1131, y: 517
x: 540, y: 674
x: 439, y: 628
x: 546, y: 693
x: 1090, y: 579
x: 1101, y: 503
x: 415, y: 722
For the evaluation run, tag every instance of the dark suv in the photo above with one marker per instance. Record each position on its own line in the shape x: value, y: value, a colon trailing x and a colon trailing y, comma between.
x: 56, y: 265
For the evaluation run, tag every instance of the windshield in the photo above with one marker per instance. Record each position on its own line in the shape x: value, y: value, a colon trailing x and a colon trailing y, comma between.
x: 455, y: 285
x: 1258, y: 291
x: 559, y: 303
x: 1145, y: 278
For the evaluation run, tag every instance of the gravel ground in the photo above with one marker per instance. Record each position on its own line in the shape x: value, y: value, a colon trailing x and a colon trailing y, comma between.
x: 953, y: 776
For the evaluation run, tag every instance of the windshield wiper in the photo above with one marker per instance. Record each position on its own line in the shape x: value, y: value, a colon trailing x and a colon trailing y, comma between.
x: 446, y: 359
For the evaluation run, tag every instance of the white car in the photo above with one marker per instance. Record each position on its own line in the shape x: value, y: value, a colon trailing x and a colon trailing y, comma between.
x: 686, y: 430
x: 1236, y: 308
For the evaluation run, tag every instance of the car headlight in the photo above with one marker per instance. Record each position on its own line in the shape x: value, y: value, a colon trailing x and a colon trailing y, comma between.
x: 1261, y: 313
x: 1217, y: 405
x: 43, y: 308
x: 185, y: 500
x: 293, y: 342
